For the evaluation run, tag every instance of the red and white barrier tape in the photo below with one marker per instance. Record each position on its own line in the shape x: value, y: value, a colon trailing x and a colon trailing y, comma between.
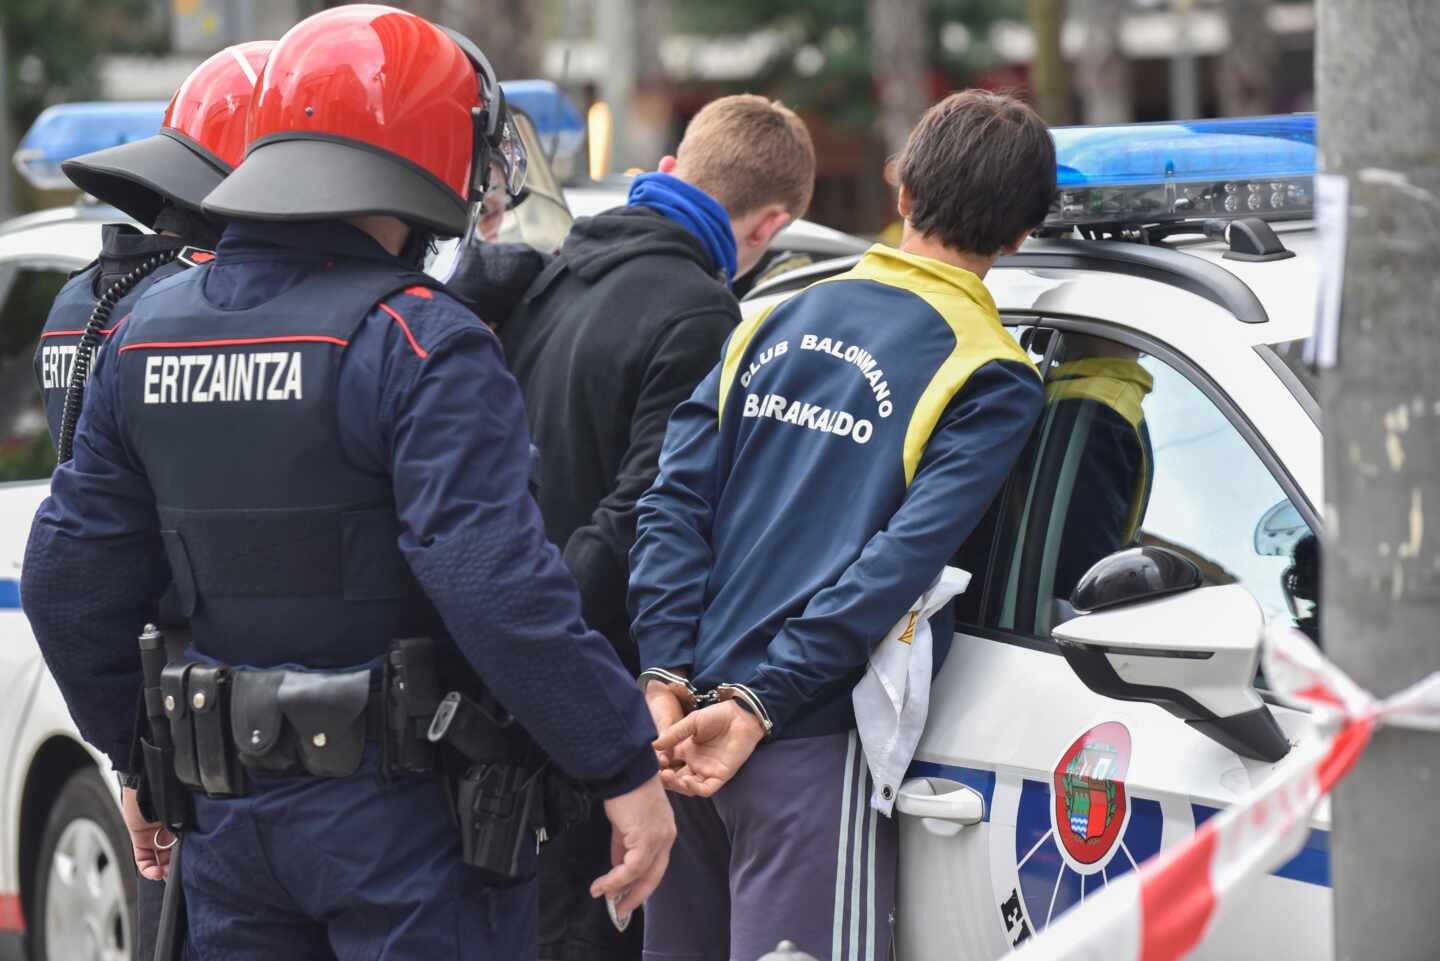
x: 1162, y: 911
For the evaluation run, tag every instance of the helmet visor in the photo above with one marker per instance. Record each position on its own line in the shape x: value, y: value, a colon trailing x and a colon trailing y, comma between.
x: 488, y: 216
x: 510, y: 159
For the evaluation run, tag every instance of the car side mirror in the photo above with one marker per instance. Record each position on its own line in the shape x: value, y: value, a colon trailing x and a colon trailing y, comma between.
x: 1151, y: 633
x: 1136, y: 574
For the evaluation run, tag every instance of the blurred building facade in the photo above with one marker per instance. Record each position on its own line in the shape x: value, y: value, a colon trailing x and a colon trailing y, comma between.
x: 1122, y: 60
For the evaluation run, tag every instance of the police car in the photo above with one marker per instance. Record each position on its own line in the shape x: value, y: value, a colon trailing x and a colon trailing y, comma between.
x: 1168, y: 308
x: 66, y: 877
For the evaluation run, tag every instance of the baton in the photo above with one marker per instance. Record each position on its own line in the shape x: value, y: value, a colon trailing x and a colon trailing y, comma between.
x: 152, y: 665
x: 170, y: 938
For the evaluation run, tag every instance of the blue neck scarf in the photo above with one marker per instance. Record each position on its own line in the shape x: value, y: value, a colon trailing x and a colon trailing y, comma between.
x: 693, y: 209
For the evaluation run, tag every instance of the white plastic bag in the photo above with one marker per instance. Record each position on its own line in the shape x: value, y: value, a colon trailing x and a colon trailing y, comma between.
x: 892, y: 700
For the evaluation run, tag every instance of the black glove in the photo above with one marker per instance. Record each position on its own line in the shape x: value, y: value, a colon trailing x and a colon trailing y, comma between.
x: 491, y: 278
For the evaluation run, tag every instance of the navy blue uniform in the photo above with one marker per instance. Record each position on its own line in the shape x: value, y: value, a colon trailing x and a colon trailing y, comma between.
x: 122, y: 249
x: 425, y: 413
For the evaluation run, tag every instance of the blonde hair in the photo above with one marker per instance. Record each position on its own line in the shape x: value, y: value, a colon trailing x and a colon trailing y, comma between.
x: 748, y: 152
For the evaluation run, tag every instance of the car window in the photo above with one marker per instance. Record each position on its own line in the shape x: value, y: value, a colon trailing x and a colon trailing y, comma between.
x: 25, y: 297
x: 1128, y: 452
x: 1298, y: 356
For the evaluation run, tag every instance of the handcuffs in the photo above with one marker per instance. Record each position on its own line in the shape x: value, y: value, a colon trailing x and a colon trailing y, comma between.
x: 692, y: 698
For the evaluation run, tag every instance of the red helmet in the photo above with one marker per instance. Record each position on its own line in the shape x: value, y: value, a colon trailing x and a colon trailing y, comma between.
x: 201, y: 139
x: 366, y: 109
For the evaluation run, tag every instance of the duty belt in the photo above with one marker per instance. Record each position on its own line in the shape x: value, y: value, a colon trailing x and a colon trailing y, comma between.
x: 225, y: 721
x: 505, y: 796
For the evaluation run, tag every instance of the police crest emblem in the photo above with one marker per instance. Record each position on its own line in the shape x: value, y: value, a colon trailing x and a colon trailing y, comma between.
x: 1088, y: 793
x: 1074, y: 832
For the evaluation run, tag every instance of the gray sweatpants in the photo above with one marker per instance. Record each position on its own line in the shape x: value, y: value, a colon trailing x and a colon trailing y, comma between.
x: 788, y: 850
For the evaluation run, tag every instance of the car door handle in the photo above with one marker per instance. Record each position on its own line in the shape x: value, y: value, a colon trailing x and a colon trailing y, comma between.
x: 941, y: 799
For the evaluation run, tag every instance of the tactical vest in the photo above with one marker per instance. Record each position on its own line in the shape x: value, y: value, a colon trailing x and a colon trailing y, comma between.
x: 281, y: 550
x: 55, y: 354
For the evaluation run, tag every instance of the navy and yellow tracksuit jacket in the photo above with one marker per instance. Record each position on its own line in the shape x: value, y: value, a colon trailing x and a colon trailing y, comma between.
x: 821, y: 476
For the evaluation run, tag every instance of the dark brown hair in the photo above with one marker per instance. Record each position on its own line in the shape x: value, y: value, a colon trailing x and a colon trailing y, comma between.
x: 980, y: 169
x: 747, y: 152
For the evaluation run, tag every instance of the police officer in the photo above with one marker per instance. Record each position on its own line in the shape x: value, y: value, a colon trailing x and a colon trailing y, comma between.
x: 327, y: 449
x: 160, y: 181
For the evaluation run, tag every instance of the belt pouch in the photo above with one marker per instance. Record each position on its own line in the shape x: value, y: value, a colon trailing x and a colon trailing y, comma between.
x: 173, y: 681
x: 263, y: 739
x: 220, y: 773
x: 411, y: 697
x: 327, y: 713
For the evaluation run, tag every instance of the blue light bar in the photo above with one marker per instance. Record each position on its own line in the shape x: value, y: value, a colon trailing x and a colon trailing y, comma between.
x: 1148, y: 173
x: 71, y: 129
x: 556, y: 118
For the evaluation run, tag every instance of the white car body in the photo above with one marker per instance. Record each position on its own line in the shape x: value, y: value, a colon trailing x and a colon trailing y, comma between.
x: 1005, y: 713
x: 42, y: 746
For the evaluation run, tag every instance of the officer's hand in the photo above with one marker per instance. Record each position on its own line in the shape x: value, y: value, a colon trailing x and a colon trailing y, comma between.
x: 710, y: 745
x: 153, y: 862
x: 666, y: 711
x: 643, y: 830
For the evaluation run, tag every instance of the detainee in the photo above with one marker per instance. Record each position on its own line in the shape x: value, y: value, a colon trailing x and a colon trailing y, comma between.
x: 617, y: 330
x: 815, y: 485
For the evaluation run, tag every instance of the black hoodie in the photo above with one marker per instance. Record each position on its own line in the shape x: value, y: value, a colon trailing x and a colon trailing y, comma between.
x: 615, y: 333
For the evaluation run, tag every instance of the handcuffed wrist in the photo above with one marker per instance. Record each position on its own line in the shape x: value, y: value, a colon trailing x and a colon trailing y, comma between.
x: 676, y: 684
x: 748, y: 701
x: 692, y: 698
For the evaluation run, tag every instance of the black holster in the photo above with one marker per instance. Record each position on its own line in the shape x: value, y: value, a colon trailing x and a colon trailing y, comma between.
x: 161, y: 796
x: 496, y: 808
x: 506, y: 794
